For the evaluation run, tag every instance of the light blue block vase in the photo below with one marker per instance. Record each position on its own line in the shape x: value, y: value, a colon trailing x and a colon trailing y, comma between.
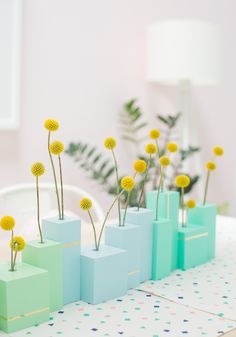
x: 205, y: 215
x: 143, y: 218
x: 168, y: 208
x: 104, y: 273
x: 162, y: 249
x: 67, y: 232
x: 192, y: 246
x: 127, y: 237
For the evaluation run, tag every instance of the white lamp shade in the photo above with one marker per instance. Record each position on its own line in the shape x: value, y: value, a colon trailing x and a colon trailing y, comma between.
x: 184, y: 50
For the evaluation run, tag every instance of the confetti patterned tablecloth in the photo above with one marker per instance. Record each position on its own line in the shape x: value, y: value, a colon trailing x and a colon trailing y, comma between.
x: 199, y: 302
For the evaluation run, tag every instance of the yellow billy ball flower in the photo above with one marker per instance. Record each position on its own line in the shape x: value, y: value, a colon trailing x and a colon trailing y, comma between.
x: 51, y: 124
x: 211, y: 166
x: 86, y: 204
x: 140, y: 166
x: 127, y: 183
x: 151, y: 148
x: 18, y: 243
x: 56, y: 147
x: 218, y: 151
x: 172, y: 147
x: 191, y: 203
x: 110, y: 143
x: 7, y: 223
x: 37, y: 169
x: 154, y: 134
x: 164, y: 161
x: 182, y: 181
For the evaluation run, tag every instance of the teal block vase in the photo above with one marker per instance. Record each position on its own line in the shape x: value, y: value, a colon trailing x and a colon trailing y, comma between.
x: 49, y: 256
x: 143, y: 218
x: 205, y: 215
x: 162, y: 249
x: 68, y: 233
x: 24, y: 297
x: 127, y: 237
x: 103, y: 273
x: 192, y: 246
x: 168, y: 208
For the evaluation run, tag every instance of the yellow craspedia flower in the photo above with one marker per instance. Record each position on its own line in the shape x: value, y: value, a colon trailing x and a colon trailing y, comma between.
x: 18, y: 243
x: 191, y: 203
x: 37, y: 169
x: 110, y: 143
x: 127, y: 183
x: 7, y: 223
x: 164, y: 161
x: 218, y: 151
x: 56, y: 147
x: 151, y: 148
x: 172, y: 147
x: 140, y: 166
x: 182, y: 181
x: 154, y: 134
x: 51, y: 124
x: 211, y: 166
x: 86, y: 204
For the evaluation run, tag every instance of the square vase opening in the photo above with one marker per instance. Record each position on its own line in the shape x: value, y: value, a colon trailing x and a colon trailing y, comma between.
x: 192, y: 246
x: 103, y: 273
x: 49, y: 256
x: 24, y: 296
x: 127, y: 237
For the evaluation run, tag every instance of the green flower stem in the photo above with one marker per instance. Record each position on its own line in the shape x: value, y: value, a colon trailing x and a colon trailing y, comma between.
x: 182, y: 206
x: 62, y: 192
x: 206, y: 187
x: 126, y: 207
x: 38, y: 209
x: 55, y: 177
x: 117, y: 185
x: 105, y: 220
x: 158, y: 191
x: 14, y: 261
x: 144, y: 182
x: 94, y: 230
x: 12, y: 235
x: 158, y: 151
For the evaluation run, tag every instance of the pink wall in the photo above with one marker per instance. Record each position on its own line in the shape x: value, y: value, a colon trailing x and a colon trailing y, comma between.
x: 83, y: 59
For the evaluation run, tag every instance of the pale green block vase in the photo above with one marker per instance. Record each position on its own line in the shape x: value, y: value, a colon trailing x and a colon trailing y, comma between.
x: 24, y: 297
x: 49, y: 256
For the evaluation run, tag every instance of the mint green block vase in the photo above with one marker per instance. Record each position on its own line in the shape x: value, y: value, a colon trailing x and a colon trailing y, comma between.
x: 49, y: 256
x: 143, y: 218
x: 127, y: 237
x: 24, y: 297
x: 168, y: 208
x: 162, y: 249
x: 68, y: 233
x: 205, y: 215
x: 192, y: 246
x: 104, y: 273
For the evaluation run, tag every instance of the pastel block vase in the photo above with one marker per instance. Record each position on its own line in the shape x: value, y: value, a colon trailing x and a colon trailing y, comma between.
x: 68, y: 233
x: 192, y: 246
x: 103, y: 273
x: 143, y: 218
x: 162, y: 249
x: 127, y: 237
x: 168, y: 208
x: 24, y: 297
x: 49, y: 256
x: 205, y: 215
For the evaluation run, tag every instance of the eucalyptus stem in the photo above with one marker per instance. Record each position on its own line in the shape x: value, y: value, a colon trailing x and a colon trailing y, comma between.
x: 158, y: 191
x: 144, y: 181
x: 94, y: 229
x: 105, y: 220
x: 182, y: 205
x: 117, y: 186
x: 55, y: 177
x: 38, y: 210
x: 206, y: 187
x: 12, y: 251
x: 15, y: 255
x: 62, y: 192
